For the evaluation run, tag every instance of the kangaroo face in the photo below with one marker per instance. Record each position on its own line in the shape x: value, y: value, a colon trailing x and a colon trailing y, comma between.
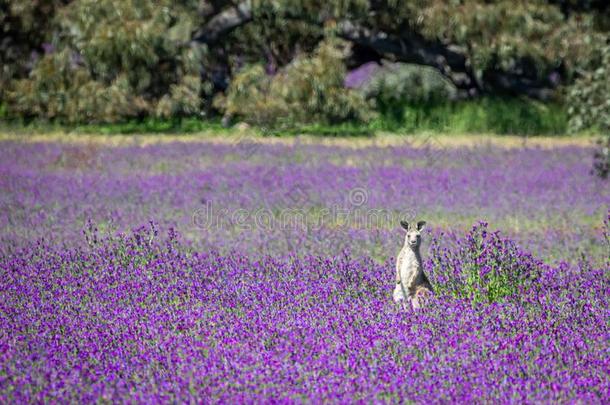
x: 413, y: 236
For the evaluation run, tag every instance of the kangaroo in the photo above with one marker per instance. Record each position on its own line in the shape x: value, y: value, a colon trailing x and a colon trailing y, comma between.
x: 411, y: 282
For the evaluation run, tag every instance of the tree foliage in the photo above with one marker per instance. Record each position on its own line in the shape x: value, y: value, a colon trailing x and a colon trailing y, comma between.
x: 110, y: 60
x: 309, y: 89
x: 396, y: 84
x: 25, y: 29
x: 589, y: 97
x: 114, y: 60
x: 58, y: 90
x: 589, y: 100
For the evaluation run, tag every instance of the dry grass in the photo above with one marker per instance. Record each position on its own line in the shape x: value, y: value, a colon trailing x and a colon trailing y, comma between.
x: 423, y: 140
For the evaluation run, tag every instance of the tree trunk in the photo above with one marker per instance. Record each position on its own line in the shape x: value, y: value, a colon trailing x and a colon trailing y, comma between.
x: 223, y: 23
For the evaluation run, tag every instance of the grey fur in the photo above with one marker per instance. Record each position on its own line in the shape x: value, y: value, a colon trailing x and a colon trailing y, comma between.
x: 411, y: 281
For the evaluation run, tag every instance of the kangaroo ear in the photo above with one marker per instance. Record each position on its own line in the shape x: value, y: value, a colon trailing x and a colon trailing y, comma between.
x: 420, y: 225
x: 405, y: 225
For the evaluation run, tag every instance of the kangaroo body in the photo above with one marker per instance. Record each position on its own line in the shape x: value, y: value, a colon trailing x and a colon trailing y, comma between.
x: 412, y: 284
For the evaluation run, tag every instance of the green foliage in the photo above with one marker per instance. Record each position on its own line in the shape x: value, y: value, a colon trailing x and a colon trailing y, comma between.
x: 119, y: 60
x: 589, y: 108
x: 409, y: 83
x: 396, y: 84
x: 486, y: 115
x: 24, y: 26
x: 56, y: 90
x: 154, y: 126
x: 589, y: 97
x: 345, y: 129
x: 272, y: 39
x: 112, y: 61
x: 150, y: 125
x: 184, y: 99
x: 493, y: 34
x: 486, y: 266
x: 309, y: 89
x: 500, y: 34
x: 140, y: 39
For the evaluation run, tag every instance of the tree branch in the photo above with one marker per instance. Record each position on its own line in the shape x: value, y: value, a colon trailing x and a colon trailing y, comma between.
x: 412, y: 48
x: 223, y: 23
x: 450, y: 60
x: 409, y: 46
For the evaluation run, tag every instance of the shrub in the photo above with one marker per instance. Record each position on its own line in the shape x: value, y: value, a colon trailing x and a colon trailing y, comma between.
x: 57, y: 89
x: 309, y: 89
x: 184, y: 99
x: 483, y: 115
x: 111, y: 61
x: 484, y: 267
x: 589, y: 103
x: 589, y: 108
x: 397, y: 84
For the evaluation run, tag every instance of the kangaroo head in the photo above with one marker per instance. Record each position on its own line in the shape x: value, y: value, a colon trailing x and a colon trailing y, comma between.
x: 413, y: 236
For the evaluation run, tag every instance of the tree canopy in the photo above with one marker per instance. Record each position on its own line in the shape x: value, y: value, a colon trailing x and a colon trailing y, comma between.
x: 108, y: 60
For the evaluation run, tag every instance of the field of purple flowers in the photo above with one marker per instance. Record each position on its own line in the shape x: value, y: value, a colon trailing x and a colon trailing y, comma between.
x: 257, y: 272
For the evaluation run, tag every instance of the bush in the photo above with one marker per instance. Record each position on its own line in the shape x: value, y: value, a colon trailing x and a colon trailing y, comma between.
x: 112, y: 61
x: 173, y: 57
x: 589, y: 108
x: 309, y: 89
x: 184, y: 99
x: 485, y: 267
x: 588, y: 98
x: 415, y: 98
x: 396, y: 84
x: 488, y: 114
x: 56, y: 89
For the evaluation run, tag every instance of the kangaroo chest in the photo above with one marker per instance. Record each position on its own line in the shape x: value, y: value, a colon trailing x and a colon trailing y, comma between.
x: 409, y: 265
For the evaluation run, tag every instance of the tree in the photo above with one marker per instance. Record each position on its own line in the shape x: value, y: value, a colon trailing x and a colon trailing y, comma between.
x: 589, y: 108
x: 522, y: 47
x: 126, y: 55
x: 25, y: 32
x: 169, y: 58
